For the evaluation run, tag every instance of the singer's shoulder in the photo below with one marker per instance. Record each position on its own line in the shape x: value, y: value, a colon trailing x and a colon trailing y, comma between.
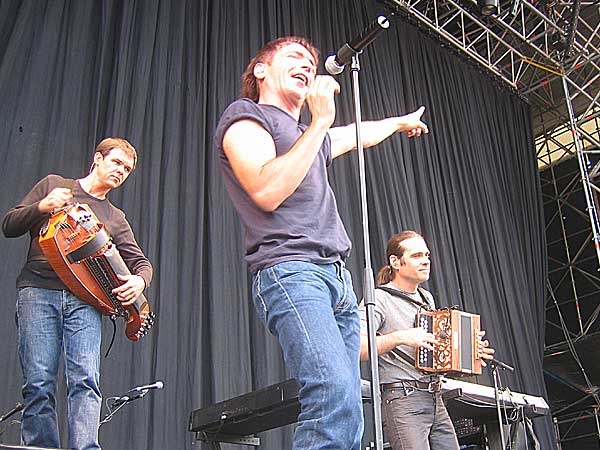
x: 270, y: 117
x: 246, y: 106
x: 242, y: 108
x: 242, y: 105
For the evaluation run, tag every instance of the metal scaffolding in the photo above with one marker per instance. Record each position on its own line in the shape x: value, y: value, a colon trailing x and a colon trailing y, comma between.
x: 548, y: 52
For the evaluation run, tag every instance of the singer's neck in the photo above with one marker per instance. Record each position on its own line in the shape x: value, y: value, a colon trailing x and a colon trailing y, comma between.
x: 291, y: 106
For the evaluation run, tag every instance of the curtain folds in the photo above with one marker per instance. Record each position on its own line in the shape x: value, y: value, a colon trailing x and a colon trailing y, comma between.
x: 159, y: 73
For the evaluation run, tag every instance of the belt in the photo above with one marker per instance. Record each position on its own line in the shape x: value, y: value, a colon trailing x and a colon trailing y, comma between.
x: 429, y: 386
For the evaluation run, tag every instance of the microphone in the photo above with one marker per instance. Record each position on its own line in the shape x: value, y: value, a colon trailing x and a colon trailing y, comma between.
x: 136, y: 392
x: 334, y: 64
x: 18, y: 407
x: 147, y: 387
x: 494, y: 362
x: 120, y: 400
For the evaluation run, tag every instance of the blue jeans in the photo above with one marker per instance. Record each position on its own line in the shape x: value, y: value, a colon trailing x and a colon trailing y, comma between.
x: 51, y: 323
x: 312, y: 310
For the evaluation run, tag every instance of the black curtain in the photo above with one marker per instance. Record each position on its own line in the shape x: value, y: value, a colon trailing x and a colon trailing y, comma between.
x: 159, y: 73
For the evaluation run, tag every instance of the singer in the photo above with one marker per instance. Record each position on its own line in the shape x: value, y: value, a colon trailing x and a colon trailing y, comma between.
x: 275, y: 170
x: 414, y: 415
x: 51, y: 321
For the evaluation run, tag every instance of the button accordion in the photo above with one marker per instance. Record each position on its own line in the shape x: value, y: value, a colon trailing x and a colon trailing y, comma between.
x: 458, y: 335
x: 82, y: 254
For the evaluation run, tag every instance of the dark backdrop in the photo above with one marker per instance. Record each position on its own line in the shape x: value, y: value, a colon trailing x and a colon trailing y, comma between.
x: 159, y: 73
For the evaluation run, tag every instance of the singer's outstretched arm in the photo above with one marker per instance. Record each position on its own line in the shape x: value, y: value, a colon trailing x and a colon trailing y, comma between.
x: 343, y: 139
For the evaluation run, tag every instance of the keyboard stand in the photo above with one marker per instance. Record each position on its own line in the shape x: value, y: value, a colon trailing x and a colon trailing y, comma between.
x: 214, y: 440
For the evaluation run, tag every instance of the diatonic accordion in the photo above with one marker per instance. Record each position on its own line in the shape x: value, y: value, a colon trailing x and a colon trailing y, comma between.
x: 458, y: 335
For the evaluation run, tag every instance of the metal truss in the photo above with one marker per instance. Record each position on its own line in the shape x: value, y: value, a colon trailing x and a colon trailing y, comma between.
x: 569, y: 431
x: 547, y: 52
x: 532, y: 48
x: 572, y: 307
x: 525, y: 45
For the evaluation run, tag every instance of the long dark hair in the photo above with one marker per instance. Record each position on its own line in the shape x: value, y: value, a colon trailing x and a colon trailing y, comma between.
x: 394, y: 247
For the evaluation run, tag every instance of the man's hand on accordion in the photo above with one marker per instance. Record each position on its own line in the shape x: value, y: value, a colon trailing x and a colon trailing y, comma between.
x: 413, y: 337
x: 417, y: 337
x: 130, y: 290
x: 485, y: 351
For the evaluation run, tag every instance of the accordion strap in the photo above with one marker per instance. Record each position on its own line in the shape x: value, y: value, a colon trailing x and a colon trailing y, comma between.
x: 398, y: 354
x: 421, y: 304
x: 397, y: 293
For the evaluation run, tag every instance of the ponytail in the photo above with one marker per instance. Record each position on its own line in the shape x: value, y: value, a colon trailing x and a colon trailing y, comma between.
x: 385, y: 275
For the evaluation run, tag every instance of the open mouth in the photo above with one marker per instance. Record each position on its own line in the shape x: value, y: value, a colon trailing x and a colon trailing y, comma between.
x: 301, y: 77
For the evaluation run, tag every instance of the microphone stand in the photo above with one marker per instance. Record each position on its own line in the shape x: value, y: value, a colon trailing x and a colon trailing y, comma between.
x: 368, y: 281
x: 494, y: 365
x: 119, y: 403
x: 17, y: 408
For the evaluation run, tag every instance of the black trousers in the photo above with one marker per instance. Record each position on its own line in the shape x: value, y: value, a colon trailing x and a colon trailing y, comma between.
x: 417, y: 420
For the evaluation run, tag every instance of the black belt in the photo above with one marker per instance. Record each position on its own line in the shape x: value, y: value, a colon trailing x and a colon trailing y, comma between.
x: 429, y: 386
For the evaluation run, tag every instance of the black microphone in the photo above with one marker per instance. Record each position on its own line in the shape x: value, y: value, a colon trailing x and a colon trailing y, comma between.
x: 147, y: 387
x: 18, y: 407
x: 334, y: 64
x: 494, y: 362
x: 120, y: 400
x: 136, y: 392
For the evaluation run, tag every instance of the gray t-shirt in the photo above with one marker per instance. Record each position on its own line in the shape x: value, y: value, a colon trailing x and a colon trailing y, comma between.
x: 394, y: 313
x: 306, y: 226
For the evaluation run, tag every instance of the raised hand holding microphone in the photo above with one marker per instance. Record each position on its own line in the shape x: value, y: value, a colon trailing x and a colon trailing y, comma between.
x: 321, y: 100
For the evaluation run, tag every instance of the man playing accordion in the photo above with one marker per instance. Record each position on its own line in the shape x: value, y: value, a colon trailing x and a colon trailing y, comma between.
x: 414, y: 415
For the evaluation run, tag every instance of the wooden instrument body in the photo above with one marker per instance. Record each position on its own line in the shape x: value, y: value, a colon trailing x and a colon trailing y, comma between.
x: 458, y: 335
x: 83, y: 256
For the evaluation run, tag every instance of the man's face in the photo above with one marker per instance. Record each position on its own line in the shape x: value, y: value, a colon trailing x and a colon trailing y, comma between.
x: 414, y: 265
x: 114, y: 168
x: 289, y: 74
